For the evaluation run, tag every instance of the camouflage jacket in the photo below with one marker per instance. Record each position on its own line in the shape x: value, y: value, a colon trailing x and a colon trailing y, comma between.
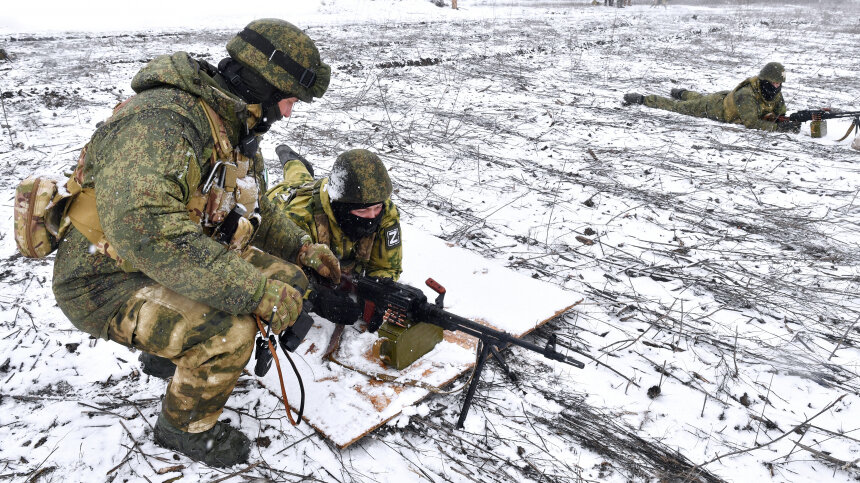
x: 380, y: 255
x: 746, y: 105
x: 144, y: 164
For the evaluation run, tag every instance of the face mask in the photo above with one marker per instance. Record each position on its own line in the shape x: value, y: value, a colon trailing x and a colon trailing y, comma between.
x: 253, y: 89
x: 355, y: 227
x: 768, y: 91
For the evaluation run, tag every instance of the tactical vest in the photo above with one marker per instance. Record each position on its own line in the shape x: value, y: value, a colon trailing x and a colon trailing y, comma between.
x: 228, y: 185
x: 362, y: 247
x: 730, y: 108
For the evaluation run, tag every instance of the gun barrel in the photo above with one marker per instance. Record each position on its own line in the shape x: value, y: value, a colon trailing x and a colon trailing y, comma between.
x: 808, y: 114
x: 452, y: 322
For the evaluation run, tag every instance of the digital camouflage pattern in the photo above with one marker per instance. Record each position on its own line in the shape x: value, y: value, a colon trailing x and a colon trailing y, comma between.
x: 772, y: 72
x: 209, y: 347
x: 280, y: 305
x: 144, y: 164
x: 320, y: 258
x: 288, y: 38
x: 743, y: 105
x: 358, y: 176
x: 385, y: 253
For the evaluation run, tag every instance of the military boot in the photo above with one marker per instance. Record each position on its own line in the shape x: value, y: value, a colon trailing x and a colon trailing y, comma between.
x: 220, y: 446
x: 286, y: 154
x: 678, y: 93
x: 160, y: 367
x: 633, y: 98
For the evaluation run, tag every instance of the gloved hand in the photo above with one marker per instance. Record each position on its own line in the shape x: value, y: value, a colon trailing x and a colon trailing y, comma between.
x: 788, y: 126
x: 285, y: 301
x: 336, y: 306
x: 321, y: 259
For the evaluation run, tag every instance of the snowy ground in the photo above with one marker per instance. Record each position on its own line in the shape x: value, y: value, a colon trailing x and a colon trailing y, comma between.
x: 720, y: 265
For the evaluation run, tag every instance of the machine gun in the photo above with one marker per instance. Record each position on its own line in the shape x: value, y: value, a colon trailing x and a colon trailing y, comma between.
x: 389, y: 302
x: 824, y: 114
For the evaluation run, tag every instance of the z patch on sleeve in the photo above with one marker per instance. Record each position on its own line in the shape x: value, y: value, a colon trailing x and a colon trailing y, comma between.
x: 392, y: 236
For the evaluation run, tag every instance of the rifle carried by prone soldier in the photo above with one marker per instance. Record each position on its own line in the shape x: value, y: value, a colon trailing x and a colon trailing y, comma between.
x: 818, y: 116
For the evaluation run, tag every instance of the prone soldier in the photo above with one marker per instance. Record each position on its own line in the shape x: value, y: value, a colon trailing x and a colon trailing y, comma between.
x: 349, y: 211
x: 756, y: 102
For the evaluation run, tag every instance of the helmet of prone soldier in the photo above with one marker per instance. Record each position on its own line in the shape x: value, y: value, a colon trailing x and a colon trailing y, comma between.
x: 773, y: 72
x: 284, y: 56
x: 359, y: 177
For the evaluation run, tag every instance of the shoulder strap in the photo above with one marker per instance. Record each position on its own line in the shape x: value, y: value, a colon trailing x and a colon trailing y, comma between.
x: 363, y: 248
x: 730, y: 108
x: 219, y: 132
x: 320, y: 216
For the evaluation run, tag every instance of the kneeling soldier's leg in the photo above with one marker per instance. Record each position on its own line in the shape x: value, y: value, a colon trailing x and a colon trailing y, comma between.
x: 209, y: 347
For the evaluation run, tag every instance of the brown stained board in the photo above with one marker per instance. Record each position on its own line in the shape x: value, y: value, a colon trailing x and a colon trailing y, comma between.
x: 381, y: 402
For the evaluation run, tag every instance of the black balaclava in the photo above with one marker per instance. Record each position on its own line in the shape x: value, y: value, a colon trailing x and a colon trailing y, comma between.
x: 355, y: 227
x: 768, y: 91
x: 253, y: 89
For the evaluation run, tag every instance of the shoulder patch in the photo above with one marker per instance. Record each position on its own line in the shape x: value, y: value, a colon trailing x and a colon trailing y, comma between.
x: 392, y: 236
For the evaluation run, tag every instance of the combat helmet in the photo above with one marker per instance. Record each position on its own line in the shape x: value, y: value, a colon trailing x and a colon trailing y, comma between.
x: 358, y: 177
x: 773, y: 72
x: 284, y: 56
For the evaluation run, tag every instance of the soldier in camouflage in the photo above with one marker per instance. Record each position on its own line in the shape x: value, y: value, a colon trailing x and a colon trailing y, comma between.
x: 756, y: 102
x: 142, y: 264
x: 350, y: 211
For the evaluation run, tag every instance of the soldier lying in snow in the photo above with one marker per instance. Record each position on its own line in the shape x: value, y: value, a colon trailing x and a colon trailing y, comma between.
x: 756, y: 102
x: 350, y: 211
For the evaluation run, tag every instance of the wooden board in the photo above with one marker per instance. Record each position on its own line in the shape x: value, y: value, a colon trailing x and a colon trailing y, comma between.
x: 354, y: 394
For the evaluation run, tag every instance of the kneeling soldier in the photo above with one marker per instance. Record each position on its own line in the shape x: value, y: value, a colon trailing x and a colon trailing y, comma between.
x: 167, y: 201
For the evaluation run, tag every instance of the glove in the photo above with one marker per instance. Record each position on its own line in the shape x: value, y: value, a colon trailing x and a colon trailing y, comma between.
x: 285, y: 301
x: 788, y: 126
x: 336, y: 306
x: 321, y: 259
x: 286, y: 154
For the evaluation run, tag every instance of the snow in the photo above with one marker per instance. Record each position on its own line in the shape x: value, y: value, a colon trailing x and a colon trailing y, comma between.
x: 717, y: 262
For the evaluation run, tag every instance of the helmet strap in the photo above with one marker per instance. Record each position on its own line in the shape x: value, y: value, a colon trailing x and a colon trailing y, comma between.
x: 304, y: 75
x: 253, y: 89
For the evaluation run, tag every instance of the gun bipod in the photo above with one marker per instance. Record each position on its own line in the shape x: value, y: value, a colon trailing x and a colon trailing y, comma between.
x: 487, y: 349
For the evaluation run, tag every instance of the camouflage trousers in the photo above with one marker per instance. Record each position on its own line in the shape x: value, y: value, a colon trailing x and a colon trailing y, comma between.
x: 693, y: 104
x: 209, y: 347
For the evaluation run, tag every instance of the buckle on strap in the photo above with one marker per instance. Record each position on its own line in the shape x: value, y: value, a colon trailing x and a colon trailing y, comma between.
x: 308, y: 78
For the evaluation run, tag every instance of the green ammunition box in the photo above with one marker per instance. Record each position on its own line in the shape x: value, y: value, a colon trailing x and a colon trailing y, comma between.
x: 818, y: 129
x: 400, y: 346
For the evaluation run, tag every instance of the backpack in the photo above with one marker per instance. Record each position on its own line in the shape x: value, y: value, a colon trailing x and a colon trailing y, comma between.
x: 40, y: 215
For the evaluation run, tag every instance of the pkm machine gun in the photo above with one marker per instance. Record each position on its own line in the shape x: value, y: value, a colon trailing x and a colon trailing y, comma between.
x: 386, y: 301
x: 827, y: 113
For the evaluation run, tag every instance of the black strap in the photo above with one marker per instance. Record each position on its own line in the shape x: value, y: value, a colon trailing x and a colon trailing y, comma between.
x: 305, y: 76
